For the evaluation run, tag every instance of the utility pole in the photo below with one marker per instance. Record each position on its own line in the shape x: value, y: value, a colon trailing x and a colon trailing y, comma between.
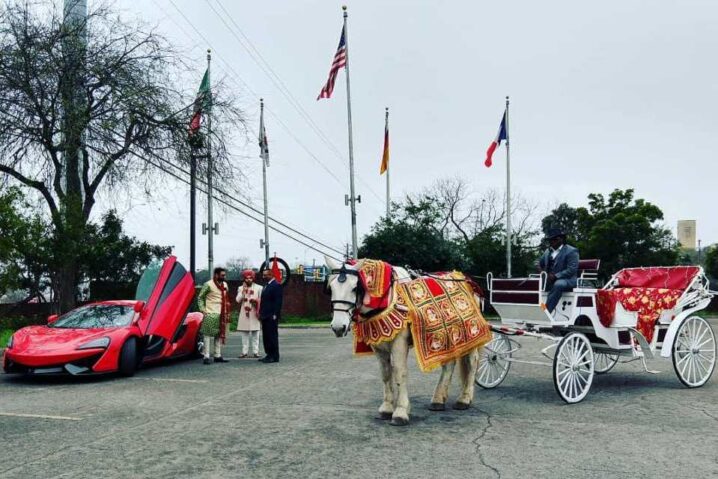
x: 192, y: 210
x: 211, y: 227
x: 74, y: 47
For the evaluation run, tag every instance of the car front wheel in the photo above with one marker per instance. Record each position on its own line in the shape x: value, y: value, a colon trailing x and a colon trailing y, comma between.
x: 128, y: 358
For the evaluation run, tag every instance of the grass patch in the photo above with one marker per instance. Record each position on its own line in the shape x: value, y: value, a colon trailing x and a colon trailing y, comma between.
x: 5, y: 337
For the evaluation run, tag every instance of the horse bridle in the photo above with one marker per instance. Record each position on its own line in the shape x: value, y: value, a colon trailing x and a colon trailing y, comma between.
x: 342, y: 273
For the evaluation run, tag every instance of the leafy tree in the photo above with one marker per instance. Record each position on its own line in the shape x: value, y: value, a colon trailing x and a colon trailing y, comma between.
x: 86, y: 105
x: 573, y: 221
x: 24, y: 247
x: 115, y: 257
x: 26, y: 252
x: 412, y: 237
x: 711, y: 261
x: 620, y: 230
x: 486, y: 253
x: 444, y: 227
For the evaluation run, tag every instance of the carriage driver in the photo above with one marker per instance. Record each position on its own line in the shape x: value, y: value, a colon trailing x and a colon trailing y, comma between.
x: 560, y: 263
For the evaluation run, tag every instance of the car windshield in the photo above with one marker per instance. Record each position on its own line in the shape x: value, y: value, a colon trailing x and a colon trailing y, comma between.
x: 96, y: 316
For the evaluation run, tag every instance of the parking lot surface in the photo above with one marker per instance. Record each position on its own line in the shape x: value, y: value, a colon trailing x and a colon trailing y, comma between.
x: 313, y: 415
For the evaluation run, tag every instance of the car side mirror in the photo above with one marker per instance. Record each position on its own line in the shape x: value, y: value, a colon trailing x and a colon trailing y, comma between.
x: 139, y: 305
x: 52, y: 318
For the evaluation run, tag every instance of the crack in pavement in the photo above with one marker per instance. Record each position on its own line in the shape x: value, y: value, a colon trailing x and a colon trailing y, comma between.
x: 701, y: 410
x: 477, y: 441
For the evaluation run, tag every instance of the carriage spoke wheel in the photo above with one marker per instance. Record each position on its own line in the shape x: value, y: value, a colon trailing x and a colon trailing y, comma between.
x: 573, y: 367
x: 493, y: 362
x: 694, y: 352
x: 604, y: 362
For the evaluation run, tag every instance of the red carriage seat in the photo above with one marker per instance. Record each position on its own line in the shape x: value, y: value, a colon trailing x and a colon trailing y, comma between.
x: 646, y: 291
x: 588, y: 266
x: 674, y: 277
x: 588, y: 272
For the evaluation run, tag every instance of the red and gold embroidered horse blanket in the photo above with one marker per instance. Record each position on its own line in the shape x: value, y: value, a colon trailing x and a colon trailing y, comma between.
x: 649, y: 303
x: 442, y: 313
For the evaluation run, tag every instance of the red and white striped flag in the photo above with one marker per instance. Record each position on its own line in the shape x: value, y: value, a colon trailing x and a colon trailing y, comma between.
x: 339, y: 62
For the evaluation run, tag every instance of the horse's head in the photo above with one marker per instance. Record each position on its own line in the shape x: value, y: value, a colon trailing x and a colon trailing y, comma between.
x: 345, y: 288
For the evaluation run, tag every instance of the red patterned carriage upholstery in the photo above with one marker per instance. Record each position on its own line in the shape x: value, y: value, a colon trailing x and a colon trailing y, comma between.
x: 646, y: 291
x: 674, y: 277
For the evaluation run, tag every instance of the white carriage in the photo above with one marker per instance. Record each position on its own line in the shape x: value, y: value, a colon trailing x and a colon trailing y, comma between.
x: 639, y: 314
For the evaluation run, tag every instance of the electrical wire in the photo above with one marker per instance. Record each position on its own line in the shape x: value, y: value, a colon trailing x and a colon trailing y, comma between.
x: 244, y: 204
x: 281, y: 86
x: 235, y: 208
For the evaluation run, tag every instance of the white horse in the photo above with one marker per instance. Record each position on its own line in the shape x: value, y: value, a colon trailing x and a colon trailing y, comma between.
x: 344, y: 285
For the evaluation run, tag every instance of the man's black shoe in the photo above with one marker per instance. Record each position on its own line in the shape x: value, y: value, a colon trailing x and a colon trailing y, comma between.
x: 220, y: 360
x: 206, y: 361
x: 270, y: 360
x: 264, y: 359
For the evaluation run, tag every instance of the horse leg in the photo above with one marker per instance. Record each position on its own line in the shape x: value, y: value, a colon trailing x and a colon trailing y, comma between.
x: 399, y: 351
x: 467, y: 370
x: 387, y: 406
x: 441, y: 393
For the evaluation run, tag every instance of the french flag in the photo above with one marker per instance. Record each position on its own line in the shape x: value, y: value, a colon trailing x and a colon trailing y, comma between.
x: 502, y: 135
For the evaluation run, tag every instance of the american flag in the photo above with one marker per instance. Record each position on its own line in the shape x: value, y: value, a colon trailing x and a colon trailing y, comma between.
x: 340, y: 61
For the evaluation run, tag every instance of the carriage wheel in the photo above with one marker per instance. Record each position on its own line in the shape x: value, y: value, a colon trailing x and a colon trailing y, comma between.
x: 604, y: 362
x: 573, y: 367
x: 694, y: 352
x: 493, y: 362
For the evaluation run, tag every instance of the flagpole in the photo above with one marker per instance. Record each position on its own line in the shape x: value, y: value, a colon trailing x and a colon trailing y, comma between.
x: 264, y: 179
x: 352, y: 196
x: 210, y: 219
x: 192, y: 209
x: 388, y: 167
x: 508, y: 195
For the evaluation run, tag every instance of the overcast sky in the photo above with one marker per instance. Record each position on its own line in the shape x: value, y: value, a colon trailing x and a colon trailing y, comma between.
x: 604, y: 95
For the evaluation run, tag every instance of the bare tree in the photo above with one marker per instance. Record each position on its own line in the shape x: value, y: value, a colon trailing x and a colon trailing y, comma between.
x: 83, y: 106
x: 465, y: 215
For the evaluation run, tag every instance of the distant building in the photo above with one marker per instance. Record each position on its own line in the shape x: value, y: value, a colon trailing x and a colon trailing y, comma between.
x: 312, y: 273
x: 687, y: 234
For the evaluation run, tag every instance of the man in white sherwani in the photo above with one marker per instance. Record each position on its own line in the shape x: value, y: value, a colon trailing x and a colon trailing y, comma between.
x: 248, y: 324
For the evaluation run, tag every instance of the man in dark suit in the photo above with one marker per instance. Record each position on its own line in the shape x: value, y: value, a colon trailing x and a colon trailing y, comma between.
x: 270, y: 309
x: 560, y: 262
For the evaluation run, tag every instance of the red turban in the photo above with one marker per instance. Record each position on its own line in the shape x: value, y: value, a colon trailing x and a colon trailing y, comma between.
x: 248, y: 273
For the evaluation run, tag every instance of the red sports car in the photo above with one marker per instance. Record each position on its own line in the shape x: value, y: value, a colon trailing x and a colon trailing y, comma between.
x: 114, y: 336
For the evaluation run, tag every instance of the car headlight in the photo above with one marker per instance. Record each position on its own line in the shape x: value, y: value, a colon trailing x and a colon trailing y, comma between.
x: 9, y: 342
x: 96, y: 343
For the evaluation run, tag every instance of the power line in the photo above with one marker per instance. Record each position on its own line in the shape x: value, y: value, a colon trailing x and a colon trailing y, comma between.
x: 249, y: 206
x: 243, y: 203
x: 281, y: 86
x: 235, y: 208
x: 246, y: 85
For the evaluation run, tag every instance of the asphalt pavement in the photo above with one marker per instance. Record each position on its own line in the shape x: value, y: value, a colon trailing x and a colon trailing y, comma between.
x: 313, y: 416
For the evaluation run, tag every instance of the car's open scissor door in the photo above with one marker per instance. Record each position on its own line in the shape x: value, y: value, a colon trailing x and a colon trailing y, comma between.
x: 167, y: 291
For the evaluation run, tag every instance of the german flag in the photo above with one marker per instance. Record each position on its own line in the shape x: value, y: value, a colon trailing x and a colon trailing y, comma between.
x: 385, y: 155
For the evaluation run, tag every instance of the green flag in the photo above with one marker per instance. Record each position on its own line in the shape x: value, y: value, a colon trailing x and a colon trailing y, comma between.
x: 202, y: 103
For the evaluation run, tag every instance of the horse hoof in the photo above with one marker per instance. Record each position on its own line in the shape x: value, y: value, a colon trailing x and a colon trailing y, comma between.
x: 384, y: 416
x: 437, y: 406
x: 399, y: 421
x: 461, y: 406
